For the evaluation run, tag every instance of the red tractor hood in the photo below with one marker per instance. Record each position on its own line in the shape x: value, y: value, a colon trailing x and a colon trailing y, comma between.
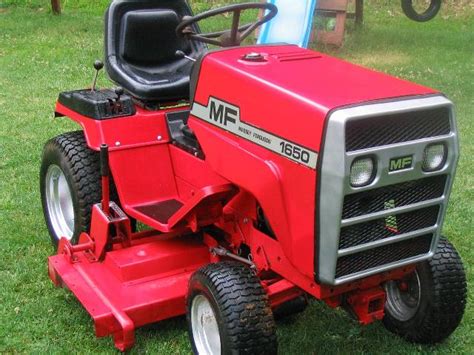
x: 289, y: 91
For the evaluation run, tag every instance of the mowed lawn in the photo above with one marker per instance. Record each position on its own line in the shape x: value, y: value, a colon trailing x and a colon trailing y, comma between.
x: 41, y: 55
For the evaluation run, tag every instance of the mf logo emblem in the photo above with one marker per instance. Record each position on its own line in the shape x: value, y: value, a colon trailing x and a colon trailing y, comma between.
x: 401, y: 163
x: 222, y: 112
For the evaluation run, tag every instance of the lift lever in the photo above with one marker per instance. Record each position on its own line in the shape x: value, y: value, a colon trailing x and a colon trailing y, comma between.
x: 105, y: 173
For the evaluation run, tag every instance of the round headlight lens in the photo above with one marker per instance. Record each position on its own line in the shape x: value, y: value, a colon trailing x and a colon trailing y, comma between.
x: 434, y: 157
x: 362, y: 172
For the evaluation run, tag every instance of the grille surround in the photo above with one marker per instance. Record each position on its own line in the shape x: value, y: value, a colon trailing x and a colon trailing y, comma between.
x: 334, y: 187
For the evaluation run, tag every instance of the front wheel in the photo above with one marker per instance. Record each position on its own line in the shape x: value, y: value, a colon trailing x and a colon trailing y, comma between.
x: 228, y: 312
x: 428, y: 305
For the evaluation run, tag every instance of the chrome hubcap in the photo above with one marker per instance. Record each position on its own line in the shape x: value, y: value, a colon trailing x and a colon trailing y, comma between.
x: 59, y: 203
x: 403, y: 297
x: 204, y: 327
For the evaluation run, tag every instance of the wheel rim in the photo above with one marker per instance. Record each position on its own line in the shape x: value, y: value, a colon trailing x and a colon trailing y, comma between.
x: 204, y: 327
x: 59, y: 203
x: 403, y: 297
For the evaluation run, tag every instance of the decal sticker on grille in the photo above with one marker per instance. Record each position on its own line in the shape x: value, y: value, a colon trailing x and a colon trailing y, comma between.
x: 227, y: 116
x: 391, y: 221
x: 401, y: 163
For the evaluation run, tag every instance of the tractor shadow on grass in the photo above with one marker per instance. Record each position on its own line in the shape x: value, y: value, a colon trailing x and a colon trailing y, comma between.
x: 318, y: 329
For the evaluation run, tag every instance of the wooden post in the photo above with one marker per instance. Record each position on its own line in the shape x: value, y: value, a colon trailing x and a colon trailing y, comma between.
x: 337, y: 9
x: 359, y: 12
x: 56, y: 6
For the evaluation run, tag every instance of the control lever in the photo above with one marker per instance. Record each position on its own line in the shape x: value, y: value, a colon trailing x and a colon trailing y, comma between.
x: 117, y: 105
x: 98, y: 65
x: 181, y: 54
x: 119, y: 92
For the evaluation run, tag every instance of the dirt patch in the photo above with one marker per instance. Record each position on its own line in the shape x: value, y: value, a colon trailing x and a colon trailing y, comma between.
x: 382, y: 58
x: 460, y: 8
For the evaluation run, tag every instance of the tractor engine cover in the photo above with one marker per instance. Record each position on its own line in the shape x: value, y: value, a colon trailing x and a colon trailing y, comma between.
x: 260, y: 115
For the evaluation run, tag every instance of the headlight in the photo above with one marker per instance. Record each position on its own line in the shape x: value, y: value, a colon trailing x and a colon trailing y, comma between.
x: 362, y: 172
x: 434, y: 157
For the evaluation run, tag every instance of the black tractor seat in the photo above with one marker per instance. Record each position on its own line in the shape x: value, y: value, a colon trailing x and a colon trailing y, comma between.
x: 141, y: 45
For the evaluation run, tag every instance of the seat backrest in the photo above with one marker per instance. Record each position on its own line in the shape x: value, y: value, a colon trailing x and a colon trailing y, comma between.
x: 141, y: 45
x: 148, y: 37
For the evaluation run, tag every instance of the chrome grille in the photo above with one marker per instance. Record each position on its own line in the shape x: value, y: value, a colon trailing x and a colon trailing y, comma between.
x: 396, y: 220
x: 388, y: 227
x: 396, y: 128
x: 371, y: 258
x: 404, y: 194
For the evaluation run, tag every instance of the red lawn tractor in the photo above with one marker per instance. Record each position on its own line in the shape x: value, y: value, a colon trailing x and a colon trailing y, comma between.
x: 232, y: 184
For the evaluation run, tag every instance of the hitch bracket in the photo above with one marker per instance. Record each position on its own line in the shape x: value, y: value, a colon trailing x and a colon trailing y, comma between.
x: 367, y: 305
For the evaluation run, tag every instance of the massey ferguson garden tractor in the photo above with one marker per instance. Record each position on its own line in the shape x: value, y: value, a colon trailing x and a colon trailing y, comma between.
x: 232, y: 184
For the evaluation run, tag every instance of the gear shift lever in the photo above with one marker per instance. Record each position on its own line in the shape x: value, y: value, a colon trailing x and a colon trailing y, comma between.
x: 98, y: 65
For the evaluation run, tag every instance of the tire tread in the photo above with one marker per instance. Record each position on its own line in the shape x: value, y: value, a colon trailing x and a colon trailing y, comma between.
x: 244, y: 307
x: 448, y: 299
x: 83, y: 167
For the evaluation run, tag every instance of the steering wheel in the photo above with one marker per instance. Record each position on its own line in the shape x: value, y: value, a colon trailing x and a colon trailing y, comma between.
x: 229, y: 38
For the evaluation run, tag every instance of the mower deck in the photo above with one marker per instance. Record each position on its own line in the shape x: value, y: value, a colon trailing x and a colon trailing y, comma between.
x: 133, y: 286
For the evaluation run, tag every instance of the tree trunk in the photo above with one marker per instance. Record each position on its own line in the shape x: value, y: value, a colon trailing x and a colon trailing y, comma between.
x: 56, y: 6
x: 359, y: 12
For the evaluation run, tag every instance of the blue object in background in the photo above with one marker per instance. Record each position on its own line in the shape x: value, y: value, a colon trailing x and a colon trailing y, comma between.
x: 292, y: 24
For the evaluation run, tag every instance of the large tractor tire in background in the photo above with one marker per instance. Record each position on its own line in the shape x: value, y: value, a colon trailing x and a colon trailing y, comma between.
x: 427, y: 306
x: 70, y: 185
x: 429, y: 13
x: 228, y: 312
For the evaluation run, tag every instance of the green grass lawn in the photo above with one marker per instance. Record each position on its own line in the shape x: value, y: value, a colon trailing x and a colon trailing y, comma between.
x: 41, y: 55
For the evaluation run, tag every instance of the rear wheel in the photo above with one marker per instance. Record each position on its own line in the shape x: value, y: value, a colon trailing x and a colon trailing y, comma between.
x: 428, y: 305
x: 228, y: 312
x: 70, y: 185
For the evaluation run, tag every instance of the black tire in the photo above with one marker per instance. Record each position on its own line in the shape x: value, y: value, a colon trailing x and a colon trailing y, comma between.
x: 291, y: 308
x: 240, y: 306
x: 428, y: 14
x: 442, y: 299
x: 81, y: 168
